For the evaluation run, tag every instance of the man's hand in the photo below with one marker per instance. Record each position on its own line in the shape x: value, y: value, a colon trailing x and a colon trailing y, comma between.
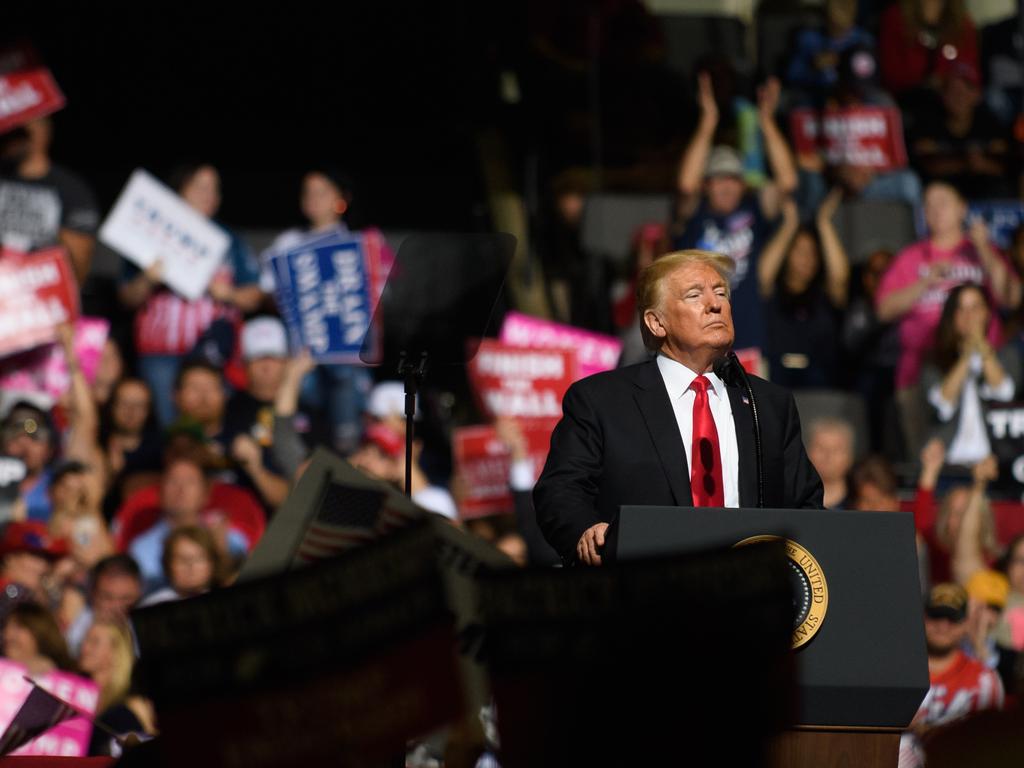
x: 706, y: 98
x: 587, y: 547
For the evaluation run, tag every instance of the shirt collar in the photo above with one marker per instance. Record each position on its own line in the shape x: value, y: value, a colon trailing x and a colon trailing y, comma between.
x: 678, y: 378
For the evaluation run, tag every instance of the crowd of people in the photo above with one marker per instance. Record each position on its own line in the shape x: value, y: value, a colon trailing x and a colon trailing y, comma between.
x: 153, y: 479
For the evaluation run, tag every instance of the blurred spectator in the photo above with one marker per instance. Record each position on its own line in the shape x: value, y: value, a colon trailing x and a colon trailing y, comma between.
x: 192, y: 565
x: 962, y: 142
x: 115, y: 586
x: 340, y: 390
x: 959, y: 685
x: 920, y: 39
x: 287, y: 446
x: 31, y: 637
x: 130, y: 441
x: 184, y: 494
x: 720, y: 214
x: 108, y: 657
x: 856, y: 87
x: 169, y: 327
x: 873, y: 486
x: 250, y: 412
x: 27, y: 434
x: 28, y: 554
x: 804, y: 274
x: 108, y: 373
x: 42, y: 203
x: 76, y: 518
x: 967, y: 374
x: 200, y: 398
x: 382, y: 455
x: 830, y: 449
x: 1002, y: 51
x: 1009, y: 632
x: 649, y: 242
x: 987, y: 592
x: 917, y: 283
x: 813, y: 67
x: 871, y: 348
x: 961, y: 538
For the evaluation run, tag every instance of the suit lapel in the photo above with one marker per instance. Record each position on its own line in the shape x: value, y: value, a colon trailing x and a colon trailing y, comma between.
x: 745, y: 445
x: 652, y: 399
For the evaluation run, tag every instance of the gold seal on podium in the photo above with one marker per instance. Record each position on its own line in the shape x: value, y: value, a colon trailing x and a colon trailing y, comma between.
x: 810, y: 589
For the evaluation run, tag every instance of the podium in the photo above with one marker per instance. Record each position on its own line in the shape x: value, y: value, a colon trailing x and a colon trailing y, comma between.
x: 858, y: 637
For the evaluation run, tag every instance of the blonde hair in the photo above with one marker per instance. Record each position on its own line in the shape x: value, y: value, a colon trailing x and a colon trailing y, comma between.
x: 116, y: 688
x: 649, y: 284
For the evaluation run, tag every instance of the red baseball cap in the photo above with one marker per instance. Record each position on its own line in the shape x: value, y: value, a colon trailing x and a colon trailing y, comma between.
x: 33, y: 537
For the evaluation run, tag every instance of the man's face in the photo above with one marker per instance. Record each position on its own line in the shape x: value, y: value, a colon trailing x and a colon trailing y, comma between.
x: 114, y: 594
x: 943, y: 635
x: 695, y: 316
x: 26, y: 437
x: 944, y: 211
x: 265, y: 375
x: 831, y: 453
x: 69, y: 494
x: 201, y: 396
x: 26, y: 569
x: 183, y: 492
x: 724, y: 193
x: 202, y: 191
x: 130, y: 408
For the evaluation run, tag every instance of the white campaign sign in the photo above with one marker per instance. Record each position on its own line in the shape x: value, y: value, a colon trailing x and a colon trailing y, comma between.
x: 150, y: 222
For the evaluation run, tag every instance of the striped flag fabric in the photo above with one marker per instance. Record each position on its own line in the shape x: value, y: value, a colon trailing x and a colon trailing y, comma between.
x: 347, y: 518
x: 40, y: 712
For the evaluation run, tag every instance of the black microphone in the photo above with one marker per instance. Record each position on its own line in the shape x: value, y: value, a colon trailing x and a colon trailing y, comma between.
x: 730, y: 371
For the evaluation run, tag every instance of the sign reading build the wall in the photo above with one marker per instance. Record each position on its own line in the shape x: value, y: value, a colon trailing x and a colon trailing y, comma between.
x: 328, y: 290
x: 37, y: 293
x: 149, y: 222
x: 863, y: 136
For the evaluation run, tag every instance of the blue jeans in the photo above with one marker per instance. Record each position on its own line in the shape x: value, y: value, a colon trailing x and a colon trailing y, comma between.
x: 341, y: 391
x: 158, y: 371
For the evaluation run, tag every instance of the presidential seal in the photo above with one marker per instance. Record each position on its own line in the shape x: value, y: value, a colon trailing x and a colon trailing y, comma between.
x: 810, y: 590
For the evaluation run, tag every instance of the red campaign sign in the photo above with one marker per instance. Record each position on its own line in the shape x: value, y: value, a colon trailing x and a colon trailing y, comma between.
x: 862, y: 136
x: 27, y: 95
x: 520, y: 382
x: 37, y: 293
x: 483, y: 463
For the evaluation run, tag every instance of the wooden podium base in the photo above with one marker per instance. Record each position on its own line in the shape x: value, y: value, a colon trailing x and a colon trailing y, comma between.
x: 822, y: 746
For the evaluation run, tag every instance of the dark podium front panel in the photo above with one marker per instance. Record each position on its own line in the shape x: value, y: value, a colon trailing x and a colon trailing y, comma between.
x: 866, y: 665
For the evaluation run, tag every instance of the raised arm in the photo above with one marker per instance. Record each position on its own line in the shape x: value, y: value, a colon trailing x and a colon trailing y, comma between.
x: 695, y: 158
x: 780, y: 158
x: 83, y: 440
x: 834, y: 258
x: 968, y: 554
x: 1006, y: 285
x: 774, y: 253
x: 287, y: 448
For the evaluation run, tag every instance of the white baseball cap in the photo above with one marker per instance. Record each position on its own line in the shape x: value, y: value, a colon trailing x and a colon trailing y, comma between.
x: 264, y: 337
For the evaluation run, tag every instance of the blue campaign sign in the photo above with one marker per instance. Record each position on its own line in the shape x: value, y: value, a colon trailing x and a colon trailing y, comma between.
x: 1002, y: 217
x: 326, y: 293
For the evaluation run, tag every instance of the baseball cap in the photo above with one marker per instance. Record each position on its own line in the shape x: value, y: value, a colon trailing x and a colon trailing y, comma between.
x: 947, y: 601
x: 28, y: 419
x: 385, y: 438
x: 387, y: 399
x: 31, y: 536
x: 264, y: 337
x: 723, y: 161
x: 989, y: 587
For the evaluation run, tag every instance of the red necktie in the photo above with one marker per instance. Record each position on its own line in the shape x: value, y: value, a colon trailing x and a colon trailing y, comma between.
x: 705, y: 457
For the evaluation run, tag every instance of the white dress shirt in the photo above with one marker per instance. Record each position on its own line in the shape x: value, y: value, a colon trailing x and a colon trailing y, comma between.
x: 677, y: 378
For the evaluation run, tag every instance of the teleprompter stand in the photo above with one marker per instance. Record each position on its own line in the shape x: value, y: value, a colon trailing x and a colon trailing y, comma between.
x: 436, y: 306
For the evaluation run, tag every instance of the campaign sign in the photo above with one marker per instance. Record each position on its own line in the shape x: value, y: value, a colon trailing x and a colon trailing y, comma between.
x: 27, y: 95
x: 70, y: 738
x: 594, y: 351
x: 149, y: 222
x: 521, y: 382
x: 1005, y: 422
x: 1003, y: 217
x: 37, y: 293
x: 44, y: 369
x: 863, y: 136
x: 483, y: 463
x: 327, y: 291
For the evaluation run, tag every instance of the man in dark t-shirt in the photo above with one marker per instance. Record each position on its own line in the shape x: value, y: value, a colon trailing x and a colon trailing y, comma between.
x: 719, y: 213
x: 41, y: 203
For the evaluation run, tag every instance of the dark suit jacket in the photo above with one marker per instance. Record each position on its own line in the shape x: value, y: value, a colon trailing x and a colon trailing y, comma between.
x: 618, y: 443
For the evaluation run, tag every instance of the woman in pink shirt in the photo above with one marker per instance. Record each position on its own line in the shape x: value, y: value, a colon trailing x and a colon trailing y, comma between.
x: 917, y: 283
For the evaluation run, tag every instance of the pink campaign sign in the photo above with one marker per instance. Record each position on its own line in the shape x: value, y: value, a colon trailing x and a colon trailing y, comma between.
x: 43, y: 370
x: 70, y: 738
x: 595, y: 352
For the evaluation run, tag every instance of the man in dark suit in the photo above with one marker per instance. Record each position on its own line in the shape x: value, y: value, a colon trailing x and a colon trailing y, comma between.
x: 629, y: 436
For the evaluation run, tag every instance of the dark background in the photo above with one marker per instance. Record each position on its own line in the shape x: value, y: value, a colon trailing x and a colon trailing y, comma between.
x: 395, y: 93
